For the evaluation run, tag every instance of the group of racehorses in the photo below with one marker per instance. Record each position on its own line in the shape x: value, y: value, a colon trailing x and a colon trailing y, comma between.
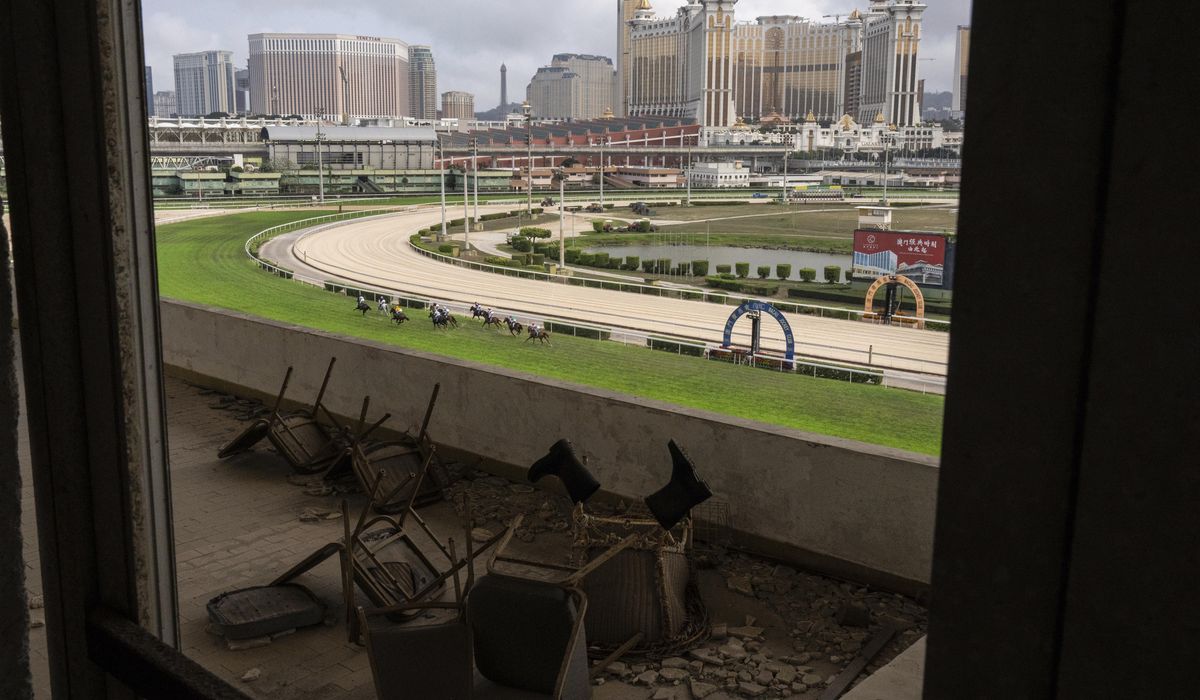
x: 444, y: 320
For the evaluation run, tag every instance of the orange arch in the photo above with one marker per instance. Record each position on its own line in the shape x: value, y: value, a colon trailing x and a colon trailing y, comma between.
x: 901, y: 279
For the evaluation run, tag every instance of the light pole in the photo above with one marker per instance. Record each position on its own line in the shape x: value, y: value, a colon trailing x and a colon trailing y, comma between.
x: 528, y: 109
x: 442, y: 181
x: 466, y: 209
x: 603, y: 142
x: 320, y: 164
x: 475, y: 170
x: 689, y: 178
x: 562, y: 218
x: 886, y: 139
x: 785, y: 177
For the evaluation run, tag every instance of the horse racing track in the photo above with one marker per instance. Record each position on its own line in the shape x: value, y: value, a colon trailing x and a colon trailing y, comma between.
x: 203, y: 261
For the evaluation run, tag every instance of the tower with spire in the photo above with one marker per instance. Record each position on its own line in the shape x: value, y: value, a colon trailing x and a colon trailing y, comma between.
x: 503, y: 86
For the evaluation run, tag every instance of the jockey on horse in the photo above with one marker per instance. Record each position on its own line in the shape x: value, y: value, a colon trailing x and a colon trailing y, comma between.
x: 384, y: 306
x: 537, y: 333
x: 362, y: 306
x: 514, y: 326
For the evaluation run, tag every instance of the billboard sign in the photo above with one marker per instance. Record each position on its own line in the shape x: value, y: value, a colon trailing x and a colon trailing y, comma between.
x: 920, y: 257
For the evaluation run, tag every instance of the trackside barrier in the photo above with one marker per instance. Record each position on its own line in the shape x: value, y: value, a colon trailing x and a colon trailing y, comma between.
x: 679, y: 346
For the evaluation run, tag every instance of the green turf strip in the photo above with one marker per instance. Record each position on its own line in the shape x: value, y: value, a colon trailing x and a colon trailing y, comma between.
x: 202, y: 261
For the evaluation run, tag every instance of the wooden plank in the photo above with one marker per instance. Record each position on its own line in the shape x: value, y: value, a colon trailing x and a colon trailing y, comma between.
x: 842, y: 683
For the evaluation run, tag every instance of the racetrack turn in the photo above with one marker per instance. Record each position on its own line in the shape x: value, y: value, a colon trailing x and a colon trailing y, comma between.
x: 376, y: 252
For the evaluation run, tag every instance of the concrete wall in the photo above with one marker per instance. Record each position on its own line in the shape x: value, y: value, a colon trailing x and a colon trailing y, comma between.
x: 845, y: 508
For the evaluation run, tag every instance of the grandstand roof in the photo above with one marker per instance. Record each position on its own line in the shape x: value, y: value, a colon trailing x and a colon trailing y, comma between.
x: 335, y: 134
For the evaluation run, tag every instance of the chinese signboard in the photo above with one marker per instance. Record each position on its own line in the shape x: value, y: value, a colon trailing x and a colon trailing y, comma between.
x: 919, y: 256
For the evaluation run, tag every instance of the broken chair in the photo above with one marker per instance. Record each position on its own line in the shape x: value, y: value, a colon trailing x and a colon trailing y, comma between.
x: 429, y: 657
x: 405, y: 466
x: 527, y: 622
x: 300, y: 438
x: 380, y: 558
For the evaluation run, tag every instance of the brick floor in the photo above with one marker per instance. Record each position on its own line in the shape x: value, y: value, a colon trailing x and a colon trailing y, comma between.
x: 237, y: 525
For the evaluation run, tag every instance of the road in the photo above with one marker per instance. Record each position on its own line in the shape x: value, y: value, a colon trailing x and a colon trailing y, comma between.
x: 375, y: 252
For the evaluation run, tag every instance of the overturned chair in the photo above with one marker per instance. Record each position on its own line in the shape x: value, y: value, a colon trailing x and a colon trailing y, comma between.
x: 649, y: 587
x: 409, y: 473
x: 307, y: 445
x: 384, y: 562
x: 527, y: 622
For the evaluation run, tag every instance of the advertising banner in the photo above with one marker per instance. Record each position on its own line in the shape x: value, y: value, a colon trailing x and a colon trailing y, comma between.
x: 920, y: 257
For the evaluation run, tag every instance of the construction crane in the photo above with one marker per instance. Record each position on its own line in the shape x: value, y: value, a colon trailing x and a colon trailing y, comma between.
x: 345, y: 97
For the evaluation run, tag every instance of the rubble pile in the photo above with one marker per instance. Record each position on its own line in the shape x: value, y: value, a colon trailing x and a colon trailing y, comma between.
x: 495, y: 501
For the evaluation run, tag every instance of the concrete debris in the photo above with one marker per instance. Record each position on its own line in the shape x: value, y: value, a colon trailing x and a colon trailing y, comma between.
x: 36, y: 621
x: 618, y: 668
x: 708, y: 656
x: 751, y: 690
x: 719, y: 632
x: 741, y: 584
x: 647, y: 678
x: 665, y: 694
x: 674, y: 662
x: 672, y: 675
x: 36, y: 602
x: 481, y: 535
x: 244, y: 644
x: 251, y: 675
x: 312, y: 515
x: 746, y: 632
x: 701, y: 690
x: 811, y: 679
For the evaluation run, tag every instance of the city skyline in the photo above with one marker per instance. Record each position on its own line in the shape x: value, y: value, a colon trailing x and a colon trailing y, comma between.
x: 469, y: 54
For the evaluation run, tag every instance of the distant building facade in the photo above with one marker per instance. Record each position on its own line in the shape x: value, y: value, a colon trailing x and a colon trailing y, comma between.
x: 164, y: 104
x: 241, y: 91
x: 360, y: 76
x: 596, y: 82
x: 422, y: 82
x: 701, y: 64
x: 204, y: 83
x: 458, y: 105
x: 573, y: 86
x: 891, y: 45
x: 962, y: 52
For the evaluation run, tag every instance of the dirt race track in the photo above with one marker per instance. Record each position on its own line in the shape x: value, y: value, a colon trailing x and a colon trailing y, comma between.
x: 376, y: 252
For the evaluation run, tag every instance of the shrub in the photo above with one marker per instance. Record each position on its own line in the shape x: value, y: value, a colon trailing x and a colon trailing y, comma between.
x: 642, y: 226
x: 571, y: 256
x: 602, y: 259
x: 764, y: 271
x: 446, y: 248
x: 537, y: 259
x: 783, y: 271
x: 648, y: 265
x: 597, y: 226
x: 632, y: 262
x: 700, y: 268
x: 614, y: 263
x: 521, y: 258
x: 521, y: 244
x: 685, y: 269
x: 849, y: 274
x: 455, y: 222
x: 833, y: 273
x: 807, y: 274
x: 537, y: 210
x: 587, y: 259
x: 724, y: 269
x: 494, y: 217
x: 743, y: 270
x: 535, y: 232
x: 662, y: 265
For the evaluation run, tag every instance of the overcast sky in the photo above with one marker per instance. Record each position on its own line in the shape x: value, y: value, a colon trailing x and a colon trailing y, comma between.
x: 471, y: 38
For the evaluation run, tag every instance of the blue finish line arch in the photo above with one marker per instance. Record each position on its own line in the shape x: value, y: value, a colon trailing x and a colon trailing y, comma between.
x: 762, y: 307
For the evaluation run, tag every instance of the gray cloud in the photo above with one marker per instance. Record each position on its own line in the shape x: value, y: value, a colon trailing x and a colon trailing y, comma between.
x: 471, y: 38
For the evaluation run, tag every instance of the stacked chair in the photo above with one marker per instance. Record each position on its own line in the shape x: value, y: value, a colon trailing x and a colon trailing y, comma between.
x: 314, y: 447
x: 647, y: 590
x: 380, y: 558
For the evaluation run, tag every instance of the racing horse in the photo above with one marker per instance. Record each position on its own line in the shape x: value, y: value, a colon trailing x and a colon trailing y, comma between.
x: 514, y: 326
x: 537, y: 333
x: 477, y: 311
x: 362, y: 306
x: 492, y: 320
x: 385, y: 307
x: 398, y: 315
x: 442, y: 318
